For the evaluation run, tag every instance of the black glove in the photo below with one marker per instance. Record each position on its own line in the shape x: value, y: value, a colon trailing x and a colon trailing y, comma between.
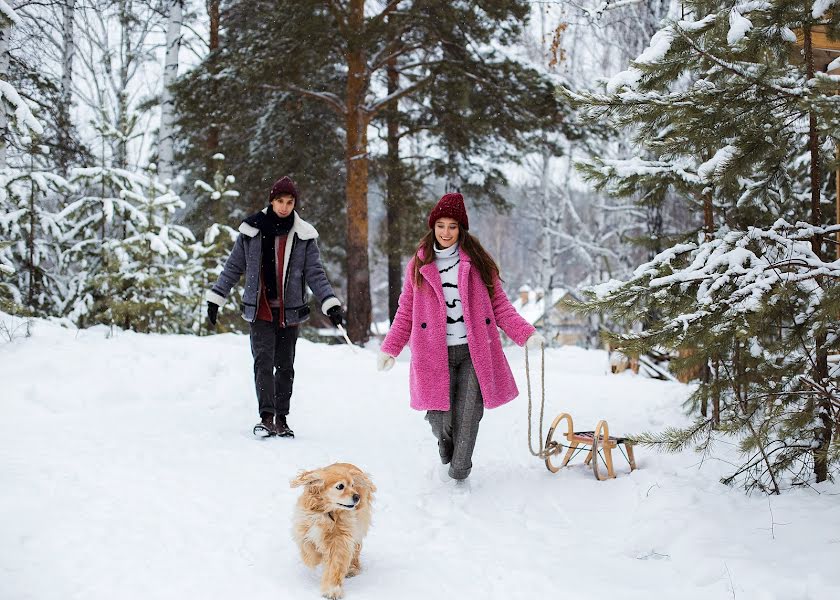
x: 336, y: 315
x: 212, y: 312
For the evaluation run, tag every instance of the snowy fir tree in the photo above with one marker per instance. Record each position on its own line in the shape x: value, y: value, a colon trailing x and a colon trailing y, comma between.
x: 208, y: 255
x: 102, y: 208
x: 143, y: 278
x: 35, y: 233
x: 7, y: 303
x: 735, y: 104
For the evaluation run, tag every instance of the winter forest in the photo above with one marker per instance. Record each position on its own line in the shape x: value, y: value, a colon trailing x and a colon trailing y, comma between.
x: 673, y: 166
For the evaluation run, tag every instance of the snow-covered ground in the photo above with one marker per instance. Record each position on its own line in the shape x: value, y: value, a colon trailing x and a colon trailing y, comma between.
x: 128, y: 470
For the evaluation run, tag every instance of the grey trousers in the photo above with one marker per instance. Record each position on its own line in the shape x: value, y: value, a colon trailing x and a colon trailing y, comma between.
x: 273, y: 349
x: 456, y: 429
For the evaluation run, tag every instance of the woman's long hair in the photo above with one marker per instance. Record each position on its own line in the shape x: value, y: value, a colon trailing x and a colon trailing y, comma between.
x: 481, y: 259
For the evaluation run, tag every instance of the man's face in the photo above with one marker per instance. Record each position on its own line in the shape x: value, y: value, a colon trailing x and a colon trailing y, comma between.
x: 283, y: 205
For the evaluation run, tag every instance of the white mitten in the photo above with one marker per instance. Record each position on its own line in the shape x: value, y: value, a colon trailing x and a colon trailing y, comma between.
x: 384, y: 362
x: 535, y: 341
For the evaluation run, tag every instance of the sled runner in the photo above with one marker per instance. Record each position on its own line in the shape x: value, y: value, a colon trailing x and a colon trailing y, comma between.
x: 599, y: 444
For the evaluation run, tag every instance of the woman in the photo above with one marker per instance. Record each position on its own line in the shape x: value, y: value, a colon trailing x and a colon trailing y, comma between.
x: 451, y: 306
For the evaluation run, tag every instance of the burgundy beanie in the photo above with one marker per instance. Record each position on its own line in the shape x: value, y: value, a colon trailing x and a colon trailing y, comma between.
x: 451, y: 206
x: 284, y: 185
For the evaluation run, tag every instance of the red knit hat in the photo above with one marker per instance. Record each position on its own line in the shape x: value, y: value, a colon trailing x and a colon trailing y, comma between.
x: 284, y: 185
x: 451, y: 206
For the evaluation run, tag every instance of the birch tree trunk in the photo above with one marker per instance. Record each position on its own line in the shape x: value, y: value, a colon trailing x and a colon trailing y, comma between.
x: 121, y: 142
x: 5, y: 32
x: 68, y: 14
x: 167, y: 105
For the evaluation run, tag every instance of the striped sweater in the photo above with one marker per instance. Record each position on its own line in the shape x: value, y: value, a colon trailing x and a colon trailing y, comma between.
x: 447, y: 262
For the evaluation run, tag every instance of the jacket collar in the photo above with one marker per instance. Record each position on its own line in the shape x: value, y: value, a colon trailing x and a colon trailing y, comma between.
x: 301, y: 228
x: 432, y: 275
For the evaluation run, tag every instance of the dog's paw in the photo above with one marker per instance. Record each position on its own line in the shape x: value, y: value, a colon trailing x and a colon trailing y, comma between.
x: 332, y: 592
x: 353, y: 571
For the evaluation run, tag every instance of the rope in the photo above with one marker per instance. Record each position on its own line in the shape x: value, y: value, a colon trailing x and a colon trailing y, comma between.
x: 542, y: 452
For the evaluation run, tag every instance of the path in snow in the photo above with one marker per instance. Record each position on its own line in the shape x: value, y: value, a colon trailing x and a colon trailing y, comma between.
x: 128, y: 470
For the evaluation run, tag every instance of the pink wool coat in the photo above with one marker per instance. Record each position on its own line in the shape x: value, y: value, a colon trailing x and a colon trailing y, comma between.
x: 421, y: 322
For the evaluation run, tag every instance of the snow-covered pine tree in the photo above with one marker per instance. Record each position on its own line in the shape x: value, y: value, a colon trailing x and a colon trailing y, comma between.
x: 35, y: 232
x: 100, y: 209
x: 143, y: 279
x: 25, y: 225
x: 207, y: 256
x: 6, y: 269
x: 742, y: 122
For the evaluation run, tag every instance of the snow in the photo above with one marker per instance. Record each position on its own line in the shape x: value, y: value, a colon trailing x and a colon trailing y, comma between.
x: 128, y: 470
x: 821, y: 7
x: 659, y: 46
x: 833, y: 65
x: 24, y: 120
x: 738, y: 27
x: 716, y: 166
x: 533, y: 308
x: 8, y: 12
x: 788, y: 34
x: 629, y: 78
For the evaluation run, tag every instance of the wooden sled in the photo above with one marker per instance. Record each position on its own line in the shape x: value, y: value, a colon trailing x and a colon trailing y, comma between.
x: 599, y: 444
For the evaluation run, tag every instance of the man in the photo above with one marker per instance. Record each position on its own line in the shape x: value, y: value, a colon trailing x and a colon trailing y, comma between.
x: 278, y: 253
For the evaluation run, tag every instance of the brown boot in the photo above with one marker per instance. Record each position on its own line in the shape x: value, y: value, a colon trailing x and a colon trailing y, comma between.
x: 265, y: 427
x: 282, y: 428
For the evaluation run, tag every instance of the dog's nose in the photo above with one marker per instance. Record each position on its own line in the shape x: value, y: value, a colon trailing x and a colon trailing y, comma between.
x: 355, y: 498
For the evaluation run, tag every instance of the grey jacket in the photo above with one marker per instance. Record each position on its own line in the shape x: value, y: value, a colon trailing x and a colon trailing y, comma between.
x: 301, y: 267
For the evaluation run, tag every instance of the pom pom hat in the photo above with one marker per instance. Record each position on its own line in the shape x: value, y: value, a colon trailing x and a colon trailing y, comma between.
x: 451, y: 206
x: 282, y: 186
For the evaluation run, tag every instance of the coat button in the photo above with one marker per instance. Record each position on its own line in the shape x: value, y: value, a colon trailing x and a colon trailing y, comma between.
x: 487, y: 320
x: 423, y: 325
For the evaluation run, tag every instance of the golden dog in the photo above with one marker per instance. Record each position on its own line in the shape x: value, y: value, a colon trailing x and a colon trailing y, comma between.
x: 331, y: 519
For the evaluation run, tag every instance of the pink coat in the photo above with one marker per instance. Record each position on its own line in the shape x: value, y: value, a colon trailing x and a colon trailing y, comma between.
x: 421, y: 321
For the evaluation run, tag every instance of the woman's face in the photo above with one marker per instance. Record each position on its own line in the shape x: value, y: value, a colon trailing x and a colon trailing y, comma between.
x: 283, y: 205
x: 446, y: 232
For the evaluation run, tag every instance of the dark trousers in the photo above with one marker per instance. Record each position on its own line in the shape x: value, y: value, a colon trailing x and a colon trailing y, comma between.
x: 456, y: 429
x: 273, y: 349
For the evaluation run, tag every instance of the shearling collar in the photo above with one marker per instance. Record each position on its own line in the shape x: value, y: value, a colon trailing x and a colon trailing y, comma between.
x: 251, y: 226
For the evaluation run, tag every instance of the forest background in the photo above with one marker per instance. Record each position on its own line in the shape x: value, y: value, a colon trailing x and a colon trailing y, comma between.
x: 674, y: 162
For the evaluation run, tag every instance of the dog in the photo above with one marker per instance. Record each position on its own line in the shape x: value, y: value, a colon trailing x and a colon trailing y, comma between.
x: 331, y: 519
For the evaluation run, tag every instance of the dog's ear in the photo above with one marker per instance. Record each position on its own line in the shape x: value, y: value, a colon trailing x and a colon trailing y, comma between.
x: 307, y: 478
x: 362, y: 479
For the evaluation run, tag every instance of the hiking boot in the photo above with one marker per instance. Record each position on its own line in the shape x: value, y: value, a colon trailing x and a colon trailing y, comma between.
x: 266, y: 426
x: 282, y: 428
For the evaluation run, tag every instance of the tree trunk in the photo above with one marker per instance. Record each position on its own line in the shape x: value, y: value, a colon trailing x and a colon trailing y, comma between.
x: 121, y: 146
x: 392, y: 203
x: 213, y: 133
x: 30, y: 239
x: 167, y: 104
x: 5, y: 33
x: 66, y: 91
x: 823, y: 433
x: 356, y: 123
x: 546, y: 227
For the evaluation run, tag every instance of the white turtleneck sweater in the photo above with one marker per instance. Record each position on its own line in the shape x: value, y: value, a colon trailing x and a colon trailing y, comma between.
x: 448, y: 264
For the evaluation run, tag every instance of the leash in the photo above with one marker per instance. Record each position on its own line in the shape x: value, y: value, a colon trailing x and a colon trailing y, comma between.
x: 346, y: 337
x: 542, y: 452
